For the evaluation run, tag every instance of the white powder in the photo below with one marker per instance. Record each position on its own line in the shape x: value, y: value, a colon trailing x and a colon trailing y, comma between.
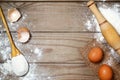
x: 112, y: 14
x: 20, y: 65
x: 0, y: 26
x: 31, y: 74
x: 38, y: 51
x: 6, y: 67
x: 5, y: 50
x: 103, y: 0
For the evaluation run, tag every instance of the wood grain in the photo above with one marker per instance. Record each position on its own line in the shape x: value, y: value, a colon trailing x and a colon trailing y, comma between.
x: 57, y: 72
x: 110, y: 58
x: 53, y: 0
x: 53, y: 47
x: 53, y: 17
x: 58, y: 31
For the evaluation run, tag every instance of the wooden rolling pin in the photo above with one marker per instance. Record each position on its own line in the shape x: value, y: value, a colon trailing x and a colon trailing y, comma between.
x: 108, y: 31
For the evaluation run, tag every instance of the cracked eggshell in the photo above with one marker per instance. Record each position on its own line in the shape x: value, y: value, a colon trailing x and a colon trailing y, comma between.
x: 13, y: 14
x: 23, y: 34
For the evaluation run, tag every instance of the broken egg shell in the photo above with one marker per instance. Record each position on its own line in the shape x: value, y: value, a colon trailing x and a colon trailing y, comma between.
x: 23, y: 34
x: 13, y: 14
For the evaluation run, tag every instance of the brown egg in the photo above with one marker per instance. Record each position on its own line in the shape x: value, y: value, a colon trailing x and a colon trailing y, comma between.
x: 95, y: 54
x: 105, y: 72
x: 13, y: 15
x: 23, y: 34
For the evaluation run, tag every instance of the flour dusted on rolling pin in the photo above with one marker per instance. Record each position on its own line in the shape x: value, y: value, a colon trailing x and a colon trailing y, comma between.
x: 112, y: 14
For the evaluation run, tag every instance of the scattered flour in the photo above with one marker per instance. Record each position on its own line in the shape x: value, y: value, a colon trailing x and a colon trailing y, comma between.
x: 103, y: 0
x: 38, y: 51
x: 31, y: 74
x: 112, y: 14
x: 0, y: 26
x: 6, y: 68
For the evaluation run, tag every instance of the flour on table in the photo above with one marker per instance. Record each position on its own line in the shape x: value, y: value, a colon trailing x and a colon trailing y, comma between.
x: 112, y: 14
x: 38, y: 51
x: 6, y: 68
x: 31, y: 74
x: 0, y: 26
x: 20, y: 65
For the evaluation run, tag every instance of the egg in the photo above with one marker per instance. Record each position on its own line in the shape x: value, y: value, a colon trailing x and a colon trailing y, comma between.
x: 13, y: 14
x: 23, y: 34
x: 105, y: 72
x: 95, y: 54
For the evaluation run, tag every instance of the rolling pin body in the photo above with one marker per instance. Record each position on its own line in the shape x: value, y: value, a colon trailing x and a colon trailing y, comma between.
x: 108, y: 31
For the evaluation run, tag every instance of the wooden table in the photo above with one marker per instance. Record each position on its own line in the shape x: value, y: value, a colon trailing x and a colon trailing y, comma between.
x: 58, y: 29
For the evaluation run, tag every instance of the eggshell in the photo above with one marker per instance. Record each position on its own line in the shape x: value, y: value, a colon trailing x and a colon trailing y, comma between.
x: 23, y: 34
x: 13, y: 14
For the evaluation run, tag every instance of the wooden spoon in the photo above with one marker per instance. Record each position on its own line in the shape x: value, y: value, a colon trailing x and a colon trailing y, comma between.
x: 110, y: 34
x: 15, y: 50
x: 17, y: 58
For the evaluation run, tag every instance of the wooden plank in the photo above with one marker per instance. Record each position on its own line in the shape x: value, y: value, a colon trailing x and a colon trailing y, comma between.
x: 57, y: 72
x: 55, y: 47
x: 56, y: 17
x: 53, y: 63
x: 51, y: 16
x: 52, y: 47
x: 58, y: 31
x: 54, y: 0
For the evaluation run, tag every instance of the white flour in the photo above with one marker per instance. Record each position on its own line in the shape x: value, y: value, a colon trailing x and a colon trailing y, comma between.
x: 20, y: 65
x: 112, y: 14
x: 5, y: 51
x: 31, y: 74
x: 6, y: 68
x: 38, y: 52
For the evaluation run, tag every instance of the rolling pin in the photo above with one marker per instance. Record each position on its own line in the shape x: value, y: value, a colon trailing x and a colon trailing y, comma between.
x: 108, y: 31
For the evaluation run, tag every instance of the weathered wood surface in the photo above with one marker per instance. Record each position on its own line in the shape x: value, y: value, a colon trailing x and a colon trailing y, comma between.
x: 54, y: 0
x: 58, y: 30
x: 57, y: 47
x: 53, y: 17
x: 57, y: 72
